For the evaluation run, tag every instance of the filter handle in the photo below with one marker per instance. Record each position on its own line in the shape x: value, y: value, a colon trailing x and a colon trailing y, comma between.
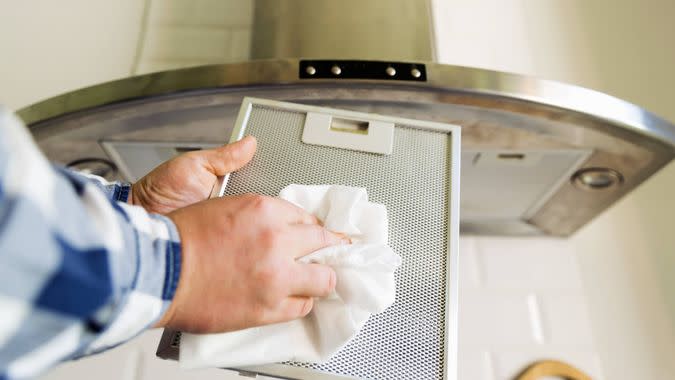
x: 371, y: 136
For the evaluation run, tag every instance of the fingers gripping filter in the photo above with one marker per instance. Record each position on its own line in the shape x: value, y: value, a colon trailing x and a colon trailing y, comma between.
x: 417, y: 179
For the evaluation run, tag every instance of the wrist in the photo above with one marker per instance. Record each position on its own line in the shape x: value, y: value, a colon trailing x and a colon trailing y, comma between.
x: 166, y: 318
x: 176, y: 281
x: 130, y: 199
x: 136, y: 196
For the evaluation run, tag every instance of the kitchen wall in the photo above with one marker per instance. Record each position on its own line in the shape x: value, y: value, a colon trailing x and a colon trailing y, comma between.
x: 604, y: 299
x: 53, y: 47
x: 48, y: 47
x: 521, y: 300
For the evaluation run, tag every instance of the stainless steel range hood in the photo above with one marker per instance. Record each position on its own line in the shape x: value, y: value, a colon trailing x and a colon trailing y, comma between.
x: 539, y: 157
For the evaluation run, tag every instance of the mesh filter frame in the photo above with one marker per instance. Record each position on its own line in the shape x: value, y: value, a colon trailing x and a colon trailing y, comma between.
x: 416, y: 338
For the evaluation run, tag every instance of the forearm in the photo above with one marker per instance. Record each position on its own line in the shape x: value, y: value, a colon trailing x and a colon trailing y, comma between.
x: 78, y: 273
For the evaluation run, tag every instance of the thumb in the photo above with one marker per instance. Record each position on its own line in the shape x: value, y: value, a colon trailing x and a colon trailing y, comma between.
x: 230, y: 157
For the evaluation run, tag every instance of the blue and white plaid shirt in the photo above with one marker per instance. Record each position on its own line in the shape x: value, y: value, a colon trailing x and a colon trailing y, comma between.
x: 80, y: 270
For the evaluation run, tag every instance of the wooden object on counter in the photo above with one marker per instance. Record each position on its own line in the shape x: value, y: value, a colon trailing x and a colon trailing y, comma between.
x: 543, y: 368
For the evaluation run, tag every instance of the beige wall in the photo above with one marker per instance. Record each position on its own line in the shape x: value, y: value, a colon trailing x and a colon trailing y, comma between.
x: 626, y: 257
x: 49, y: 47
x: 53, y: 47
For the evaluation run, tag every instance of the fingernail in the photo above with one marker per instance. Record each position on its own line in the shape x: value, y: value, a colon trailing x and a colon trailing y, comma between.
x: 250, y: 139
x: 332, y: 280
x: 344, y: 239
x: 307, y: 307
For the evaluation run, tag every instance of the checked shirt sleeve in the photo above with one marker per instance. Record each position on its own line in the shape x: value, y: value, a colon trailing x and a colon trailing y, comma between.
x: 114, y: 191
x: 79, y: 272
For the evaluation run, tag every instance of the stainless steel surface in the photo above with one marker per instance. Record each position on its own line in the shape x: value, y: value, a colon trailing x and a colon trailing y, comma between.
x: 531, y: 176
x: 373, y: 29
x: 96, y: 166
x: 135, y: 159
x: 415, y: 338
x: 497, y: 111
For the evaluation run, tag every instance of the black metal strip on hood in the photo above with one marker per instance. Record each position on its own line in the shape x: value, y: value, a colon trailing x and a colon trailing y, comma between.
x: 353, y: 69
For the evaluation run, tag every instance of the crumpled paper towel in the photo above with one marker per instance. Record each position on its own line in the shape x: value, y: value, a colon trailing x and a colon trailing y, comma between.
x: 365, y: 285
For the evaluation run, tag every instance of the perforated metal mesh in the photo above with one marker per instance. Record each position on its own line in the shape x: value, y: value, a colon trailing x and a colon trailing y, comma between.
x: 407, y: 340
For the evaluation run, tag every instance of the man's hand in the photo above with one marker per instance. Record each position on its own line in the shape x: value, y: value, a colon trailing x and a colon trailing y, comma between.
x: 189, y: 178
x: 239, y: 268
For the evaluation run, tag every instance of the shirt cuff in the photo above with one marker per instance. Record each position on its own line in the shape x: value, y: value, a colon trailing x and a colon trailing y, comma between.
x: 121, y: 192
x: 114, y: 191
x: 151, y: 276
x: 173, y: 260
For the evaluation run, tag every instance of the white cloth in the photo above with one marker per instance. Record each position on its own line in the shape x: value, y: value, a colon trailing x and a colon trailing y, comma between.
x: 365, y: 285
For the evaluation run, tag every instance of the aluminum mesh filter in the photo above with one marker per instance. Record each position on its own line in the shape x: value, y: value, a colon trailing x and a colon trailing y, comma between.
x: 407, y: 340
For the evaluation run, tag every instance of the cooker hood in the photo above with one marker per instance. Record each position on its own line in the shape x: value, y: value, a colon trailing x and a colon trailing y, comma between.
x: 538, y: 157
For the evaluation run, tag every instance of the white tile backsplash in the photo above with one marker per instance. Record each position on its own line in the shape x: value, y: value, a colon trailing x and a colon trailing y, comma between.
x: 527, y: 263
x: 521, y: 300
x: 470, y: 276
x: 566, y: 319
x: 156, y: 368
x: 536, y: 318
x: 134, y: 360
x: 494, y: 320
x: 115, y: 364
x: 476, y: 364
